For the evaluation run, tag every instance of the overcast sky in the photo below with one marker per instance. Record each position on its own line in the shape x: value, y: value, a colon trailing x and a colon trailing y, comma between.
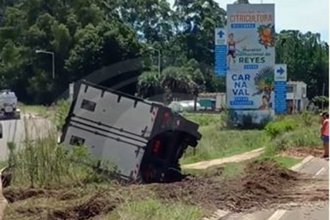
x: 303, y: 15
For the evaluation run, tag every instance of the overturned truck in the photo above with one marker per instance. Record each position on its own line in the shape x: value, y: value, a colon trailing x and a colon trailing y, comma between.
x: 143, y: 140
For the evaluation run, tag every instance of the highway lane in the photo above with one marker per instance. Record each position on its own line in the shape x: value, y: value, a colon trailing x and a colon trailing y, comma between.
x: 17, y: 130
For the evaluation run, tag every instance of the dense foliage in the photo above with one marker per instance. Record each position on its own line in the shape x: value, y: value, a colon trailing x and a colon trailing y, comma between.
x: 120, y: 41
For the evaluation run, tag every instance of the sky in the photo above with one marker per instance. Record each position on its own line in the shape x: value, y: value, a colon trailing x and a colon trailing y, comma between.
x: 303, y: 15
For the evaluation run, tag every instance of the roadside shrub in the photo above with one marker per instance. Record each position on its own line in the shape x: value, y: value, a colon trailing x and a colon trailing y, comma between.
x: 205, y: 119
x: 283, y: 142
x: 62, y: 110
x: 41, y: 162
x: 321, y: 101
x: 307, y: 118
x: 273, y: 129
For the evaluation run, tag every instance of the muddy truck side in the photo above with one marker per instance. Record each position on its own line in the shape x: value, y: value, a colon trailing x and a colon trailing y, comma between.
x: 143, y: 140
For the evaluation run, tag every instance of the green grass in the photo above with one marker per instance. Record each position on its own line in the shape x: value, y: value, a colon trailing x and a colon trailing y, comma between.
x: 291, y: 131
x: 154, y: 209
x: 225, y: 171
x: 40, y: 110
x: 206, y: 119
x: 305, y: 134
x: 287, y: 162
x: 217, y: 143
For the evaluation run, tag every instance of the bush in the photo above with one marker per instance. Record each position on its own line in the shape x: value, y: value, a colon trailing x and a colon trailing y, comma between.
x: 273, y: 129
x: 42, y: 162
x: 319, y: 100
x: 62, y: 110
x: 307, y: 118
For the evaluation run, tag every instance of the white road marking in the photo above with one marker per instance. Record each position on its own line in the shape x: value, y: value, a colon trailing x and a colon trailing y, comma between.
x: 277, y: 215
x: 319, y: 172
x: 299, y: 165
x: 217, y: 215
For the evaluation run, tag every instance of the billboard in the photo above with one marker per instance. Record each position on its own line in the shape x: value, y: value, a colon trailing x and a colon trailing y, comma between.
x: 250, y: 56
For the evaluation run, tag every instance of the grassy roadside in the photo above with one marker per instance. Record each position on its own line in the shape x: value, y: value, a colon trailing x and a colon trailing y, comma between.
x: 77, y: 189
x: 287, y: 161
x: 40, y: 110
x: 287, y: 132
x: 218, y: 141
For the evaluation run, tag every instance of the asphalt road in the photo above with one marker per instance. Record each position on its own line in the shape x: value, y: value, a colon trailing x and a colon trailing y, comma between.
x: 16, y: 130
x: 317, y: 167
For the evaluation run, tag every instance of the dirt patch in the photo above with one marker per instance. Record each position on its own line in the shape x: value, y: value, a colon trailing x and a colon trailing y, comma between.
x: 303, y: 152
x: 95, y: 205
x: 17, y: 194
x: 264, y: 184
x: 30, y: 211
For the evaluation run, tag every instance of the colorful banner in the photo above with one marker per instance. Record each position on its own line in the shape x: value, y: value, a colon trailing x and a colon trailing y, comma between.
x: 250, y: 56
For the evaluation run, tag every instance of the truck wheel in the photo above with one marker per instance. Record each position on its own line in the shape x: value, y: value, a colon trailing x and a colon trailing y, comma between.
x: 173, y: 175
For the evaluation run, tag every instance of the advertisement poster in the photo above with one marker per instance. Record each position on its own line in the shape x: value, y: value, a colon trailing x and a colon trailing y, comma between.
x: 250, y: 56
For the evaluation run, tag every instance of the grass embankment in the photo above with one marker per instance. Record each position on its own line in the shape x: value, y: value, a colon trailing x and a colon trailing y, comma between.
x: 287, y: 132
x: 301, y: 132
x: 39, y: 110
x: 218, y: 141
x: 48, y: 183
x: 55, y: 113
x: 63, y: 188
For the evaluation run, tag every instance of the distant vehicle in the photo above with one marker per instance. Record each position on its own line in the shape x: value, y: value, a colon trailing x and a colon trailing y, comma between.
x: 185, y: 105
x: 8, y: 105
x: 143, y: 140
x: 207, y: 104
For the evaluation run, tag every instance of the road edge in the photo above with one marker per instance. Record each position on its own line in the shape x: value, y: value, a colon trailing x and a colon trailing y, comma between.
x: 280, y: 212
x: 297, y: 166
x: 221, y: 214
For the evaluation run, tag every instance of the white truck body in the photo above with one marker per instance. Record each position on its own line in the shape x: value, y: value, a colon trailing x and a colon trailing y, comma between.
x: 115, y: 127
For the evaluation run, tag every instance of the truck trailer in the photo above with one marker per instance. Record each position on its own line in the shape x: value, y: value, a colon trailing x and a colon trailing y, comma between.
x: 143, y: 140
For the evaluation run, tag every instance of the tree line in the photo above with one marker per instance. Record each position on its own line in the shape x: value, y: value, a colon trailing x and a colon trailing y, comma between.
x: 143, y: 47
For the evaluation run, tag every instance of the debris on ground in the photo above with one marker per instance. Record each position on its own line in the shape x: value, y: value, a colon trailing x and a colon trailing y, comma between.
x: 263, y: 184
x: 97, y: 204
x: 304, y: 152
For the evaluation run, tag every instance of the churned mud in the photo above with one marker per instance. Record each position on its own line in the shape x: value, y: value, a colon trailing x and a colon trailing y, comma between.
x: 263, y: 184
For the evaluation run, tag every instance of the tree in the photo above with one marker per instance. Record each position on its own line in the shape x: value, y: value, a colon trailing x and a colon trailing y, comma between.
x: 195, y: 24
x: 81, y: 33
x: 186, y: 79
x: 307, y: 59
